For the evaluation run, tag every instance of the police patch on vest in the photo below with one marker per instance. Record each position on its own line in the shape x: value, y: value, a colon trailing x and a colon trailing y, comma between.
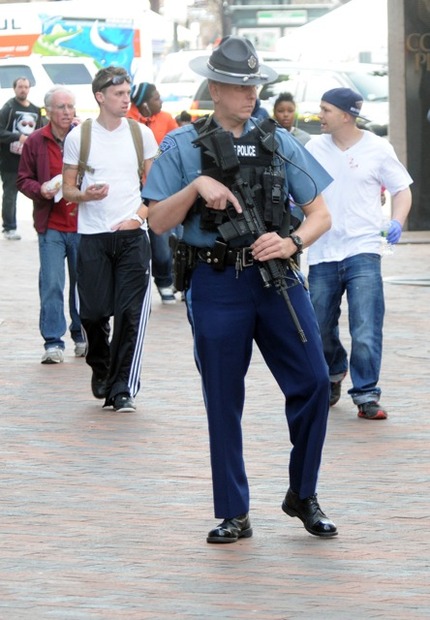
x: 246, y: 150
x: 166, y: 145
x: 260, y: 170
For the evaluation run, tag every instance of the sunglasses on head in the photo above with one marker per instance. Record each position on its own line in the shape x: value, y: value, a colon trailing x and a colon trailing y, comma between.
x: 116, y: 80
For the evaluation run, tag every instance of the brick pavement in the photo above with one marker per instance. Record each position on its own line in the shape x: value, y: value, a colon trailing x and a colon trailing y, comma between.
x: 104, y: 517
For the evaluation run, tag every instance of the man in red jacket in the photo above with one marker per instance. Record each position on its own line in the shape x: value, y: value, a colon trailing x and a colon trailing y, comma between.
x: 146, y: 108
x: 55, y: 220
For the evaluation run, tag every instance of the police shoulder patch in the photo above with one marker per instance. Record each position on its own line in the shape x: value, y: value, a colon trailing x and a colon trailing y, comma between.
x: 165, y: 145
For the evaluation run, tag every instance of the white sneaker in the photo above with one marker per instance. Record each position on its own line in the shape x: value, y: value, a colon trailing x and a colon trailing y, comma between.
x: 53, y: 355
x: 80, y: 349
x: 11, y: 235
x: 167, y: 295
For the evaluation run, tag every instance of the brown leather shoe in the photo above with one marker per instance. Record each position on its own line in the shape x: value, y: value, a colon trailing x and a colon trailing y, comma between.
x: 309, y: 512
x: 230, y: 530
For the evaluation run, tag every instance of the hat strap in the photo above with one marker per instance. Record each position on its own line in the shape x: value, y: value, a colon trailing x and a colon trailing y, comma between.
x: 243, y: 76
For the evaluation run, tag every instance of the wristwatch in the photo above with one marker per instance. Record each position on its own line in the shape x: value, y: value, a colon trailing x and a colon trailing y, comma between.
x: 137, y: 217
x: 297, y: 242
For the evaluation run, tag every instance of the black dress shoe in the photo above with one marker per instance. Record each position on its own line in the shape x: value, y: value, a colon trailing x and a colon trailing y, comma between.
x: 99, y: 385
x: 309, y: 511
x: 230, y: 530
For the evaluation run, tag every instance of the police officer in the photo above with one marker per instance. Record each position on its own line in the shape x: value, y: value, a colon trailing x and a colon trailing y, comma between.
x: 229, y: 304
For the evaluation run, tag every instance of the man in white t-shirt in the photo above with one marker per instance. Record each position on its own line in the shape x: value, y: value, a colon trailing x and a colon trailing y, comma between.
x: 347, y: 257
x: 113, y: 272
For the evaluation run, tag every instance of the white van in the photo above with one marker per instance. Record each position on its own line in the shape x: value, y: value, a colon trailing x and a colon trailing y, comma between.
x: 44, y: 72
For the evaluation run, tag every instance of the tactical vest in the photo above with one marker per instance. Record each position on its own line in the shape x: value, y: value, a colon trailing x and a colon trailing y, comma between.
x: 259, y: 167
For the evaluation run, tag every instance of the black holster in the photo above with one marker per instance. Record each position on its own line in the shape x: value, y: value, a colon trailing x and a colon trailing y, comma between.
x: 184, y: 261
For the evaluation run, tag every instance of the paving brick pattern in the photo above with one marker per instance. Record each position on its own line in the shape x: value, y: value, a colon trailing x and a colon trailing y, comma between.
x: 104, y: 516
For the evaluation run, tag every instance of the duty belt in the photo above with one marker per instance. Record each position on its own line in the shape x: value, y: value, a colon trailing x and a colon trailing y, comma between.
x: 230, y: 257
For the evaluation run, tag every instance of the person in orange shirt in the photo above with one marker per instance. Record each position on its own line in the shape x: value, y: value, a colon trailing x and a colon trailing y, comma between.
x: 145, y: 108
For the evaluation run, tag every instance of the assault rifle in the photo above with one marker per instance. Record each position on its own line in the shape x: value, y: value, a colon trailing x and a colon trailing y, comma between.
x: 219, y: 145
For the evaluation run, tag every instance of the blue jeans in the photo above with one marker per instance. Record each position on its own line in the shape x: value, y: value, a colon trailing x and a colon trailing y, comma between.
x: 360, y: 276
x: 10, y: 193
x: 162, y: 259
x: 54, y: 248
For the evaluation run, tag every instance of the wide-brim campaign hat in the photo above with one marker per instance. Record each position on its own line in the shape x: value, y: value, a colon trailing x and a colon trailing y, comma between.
x: 346, y: 100
x: 233, y: 61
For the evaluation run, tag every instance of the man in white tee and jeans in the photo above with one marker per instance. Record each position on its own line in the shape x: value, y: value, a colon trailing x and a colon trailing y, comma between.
x: 347, y: 257
x: 113, y: 270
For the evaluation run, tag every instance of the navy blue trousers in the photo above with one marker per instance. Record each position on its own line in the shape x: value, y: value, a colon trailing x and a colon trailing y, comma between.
x: 227, y: 314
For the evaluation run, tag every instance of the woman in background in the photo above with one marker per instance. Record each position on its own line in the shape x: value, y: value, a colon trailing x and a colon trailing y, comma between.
x: 284, y: 111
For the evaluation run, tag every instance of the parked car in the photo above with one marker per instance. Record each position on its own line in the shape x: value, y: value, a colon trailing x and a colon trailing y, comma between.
x: 307, y: 84
x: 44, y: 72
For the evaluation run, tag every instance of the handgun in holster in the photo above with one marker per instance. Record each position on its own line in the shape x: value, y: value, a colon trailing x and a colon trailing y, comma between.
x: 184, y: 261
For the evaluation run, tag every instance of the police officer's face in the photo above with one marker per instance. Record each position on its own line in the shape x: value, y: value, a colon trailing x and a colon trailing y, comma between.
x: 233, y: 101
